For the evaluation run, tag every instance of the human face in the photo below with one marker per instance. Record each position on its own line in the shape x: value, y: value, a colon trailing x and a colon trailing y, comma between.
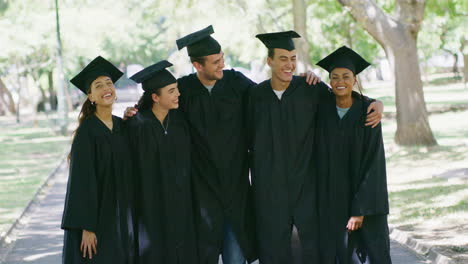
x: 102, y: 91
x: 212, y: 69
x: 283, y: 64
x: 168, y: 97
x: 342, y: 81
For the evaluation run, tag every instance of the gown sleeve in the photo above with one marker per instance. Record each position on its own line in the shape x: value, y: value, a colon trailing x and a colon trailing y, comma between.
x: 323, y: 91
x: 81, y: 202
x: 371, y: 197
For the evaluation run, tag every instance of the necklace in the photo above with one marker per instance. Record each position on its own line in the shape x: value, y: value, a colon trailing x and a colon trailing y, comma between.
x: 167, y: 124
x: 108, y: 124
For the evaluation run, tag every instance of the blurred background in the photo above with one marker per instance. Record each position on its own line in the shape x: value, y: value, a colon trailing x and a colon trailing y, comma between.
x: 418, y: 51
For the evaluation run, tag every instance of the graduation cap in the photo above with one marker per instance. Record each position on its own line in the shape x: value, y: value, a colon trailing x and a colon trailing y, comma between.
x: 154, y: 76
x: 97, y: 67
x: 344, y: 57
x: 200, y: 43
x: 279, y: 40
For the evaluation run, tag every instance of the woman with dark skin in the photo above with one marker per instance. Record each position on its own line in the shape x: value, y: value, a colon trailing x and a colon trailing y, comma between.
x: 97, y: 216
x: 160, y: 144
x: 351, y: 174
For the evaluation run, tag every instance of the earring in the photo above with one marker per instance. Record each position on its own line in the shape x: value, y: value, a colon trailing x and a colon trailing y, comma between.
x: 115, y: 98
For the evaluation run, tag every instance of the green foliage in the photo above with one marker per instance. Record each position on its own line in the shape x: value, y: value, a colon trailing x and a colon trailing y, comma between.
x: 337, y: 28
x: 144, y: 31
x: 443, y: 27
x: 3, y: 6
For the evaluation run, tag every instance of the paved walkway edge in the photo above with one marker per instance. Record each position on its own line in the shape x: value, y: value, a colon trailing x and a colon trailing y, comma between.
x: 428, y: 251
x: 7, y: 240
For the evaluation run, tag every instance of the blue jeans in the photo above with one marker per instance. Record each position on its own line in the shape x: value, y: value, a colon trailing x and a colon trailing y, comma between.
x: 232, y: 253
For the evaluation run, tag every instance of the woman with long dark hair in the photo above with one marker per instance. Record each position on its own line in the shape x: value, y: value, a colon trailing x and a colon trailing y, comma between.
x: 160, y: 143
x: 97, y: 216
x: 350, y: 161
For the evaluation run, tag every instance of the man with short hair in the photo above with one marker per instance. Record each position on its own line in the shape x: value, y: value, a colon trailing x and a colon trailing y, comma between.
x: 213, y: 100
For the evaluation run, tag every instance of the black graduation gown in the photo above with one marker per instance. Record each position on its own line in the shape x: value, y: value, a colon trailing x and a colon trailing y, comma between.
x: 166, y: 232
x: 282, y: 136
x: 351, y: 182
x: 219, y: 161
x: 99, y: 194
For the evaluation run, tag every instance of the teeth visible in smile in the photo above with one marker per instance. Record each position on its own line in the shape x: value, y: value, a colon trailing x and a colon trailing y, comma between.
x: 288, y: 71
x: 341, y: 88
x: 107, y: 95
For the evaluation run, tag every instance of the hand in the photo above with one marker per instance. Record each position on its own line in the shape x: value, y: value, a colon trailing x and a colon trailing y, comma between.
x: 311, y: 78
x: 129, y: 112
x: 354, y: 223
x: 88, y: 244
x: 374, y: 117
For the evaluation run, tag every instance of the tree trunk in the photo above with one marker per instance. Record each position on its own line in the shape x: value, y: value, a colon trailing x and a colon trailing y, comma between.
x: 398, y: 38
x: 2, y: 108
x: 20, y: 85
x: 413, y: 125
x: 302, y: 44
x: 62, y: 109
x: 52, y: 94
x: 9, y: 103
x: 465, y: 68
x: 464, y: 51
x: 68, y: 98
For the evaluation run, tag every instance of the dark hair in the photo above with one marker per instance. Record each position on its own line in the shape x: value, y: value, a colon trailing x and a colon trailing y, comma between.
x: 88, y: 109
x: 200, y: 60
x: 362, y: 97
x: 271, y: 53
x: 146, y: 100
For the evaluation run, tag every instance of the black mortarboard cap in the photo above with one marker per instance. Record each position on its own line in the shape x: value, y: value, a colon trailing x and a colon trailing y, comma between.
x: 97, y: 67
x: 200, y: 43
x: 279, y: 40
x: 155, y: 76
x: 344, y: 57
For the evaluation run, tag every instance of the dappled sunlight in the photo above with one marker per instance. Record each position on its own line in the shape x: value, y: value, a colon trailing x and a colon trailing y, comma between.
x: 404, y: 186
x: 447, y: 230
x: 453, y: 199
x: 26, y: 162
x: 28, y: 130
x: 40, y: 140
x: 36, y: 257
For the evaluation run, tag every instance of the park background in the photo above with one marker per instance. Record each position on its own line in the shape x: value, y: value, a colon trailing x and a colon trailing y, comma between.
x: 418, y: 50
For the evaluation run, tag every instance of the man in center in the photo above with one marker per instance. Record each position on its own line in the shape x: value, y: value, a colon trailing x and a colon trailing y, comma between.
x: 213, y: 100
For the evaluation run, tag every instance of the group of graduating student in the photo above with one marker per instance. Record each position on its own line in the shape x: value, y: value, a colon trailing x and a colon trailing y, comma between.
x: 171, y: 185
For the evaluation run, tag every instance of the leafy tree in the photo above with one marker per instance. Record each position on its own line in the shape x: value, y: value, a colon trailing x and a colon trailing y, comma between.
x: 397, y: 34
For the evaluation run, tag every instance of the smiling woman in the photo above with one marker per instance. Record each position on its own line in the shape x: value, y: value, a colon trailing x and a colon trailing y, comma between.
x: 98, y: 214
x: 351, y: 174
x: 160, y: 145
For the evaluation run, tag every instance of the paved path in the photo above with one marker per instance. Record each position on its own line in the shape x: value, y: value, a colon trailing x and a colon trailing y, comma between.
x: 39, y: 237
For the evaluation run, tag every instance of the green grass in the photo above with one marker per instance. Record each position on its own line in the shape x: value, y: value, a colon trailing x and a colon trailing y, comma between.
x: 442, y: 92
x: 28, y: 154
x: 422, y: 202
x: 445, y: 80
